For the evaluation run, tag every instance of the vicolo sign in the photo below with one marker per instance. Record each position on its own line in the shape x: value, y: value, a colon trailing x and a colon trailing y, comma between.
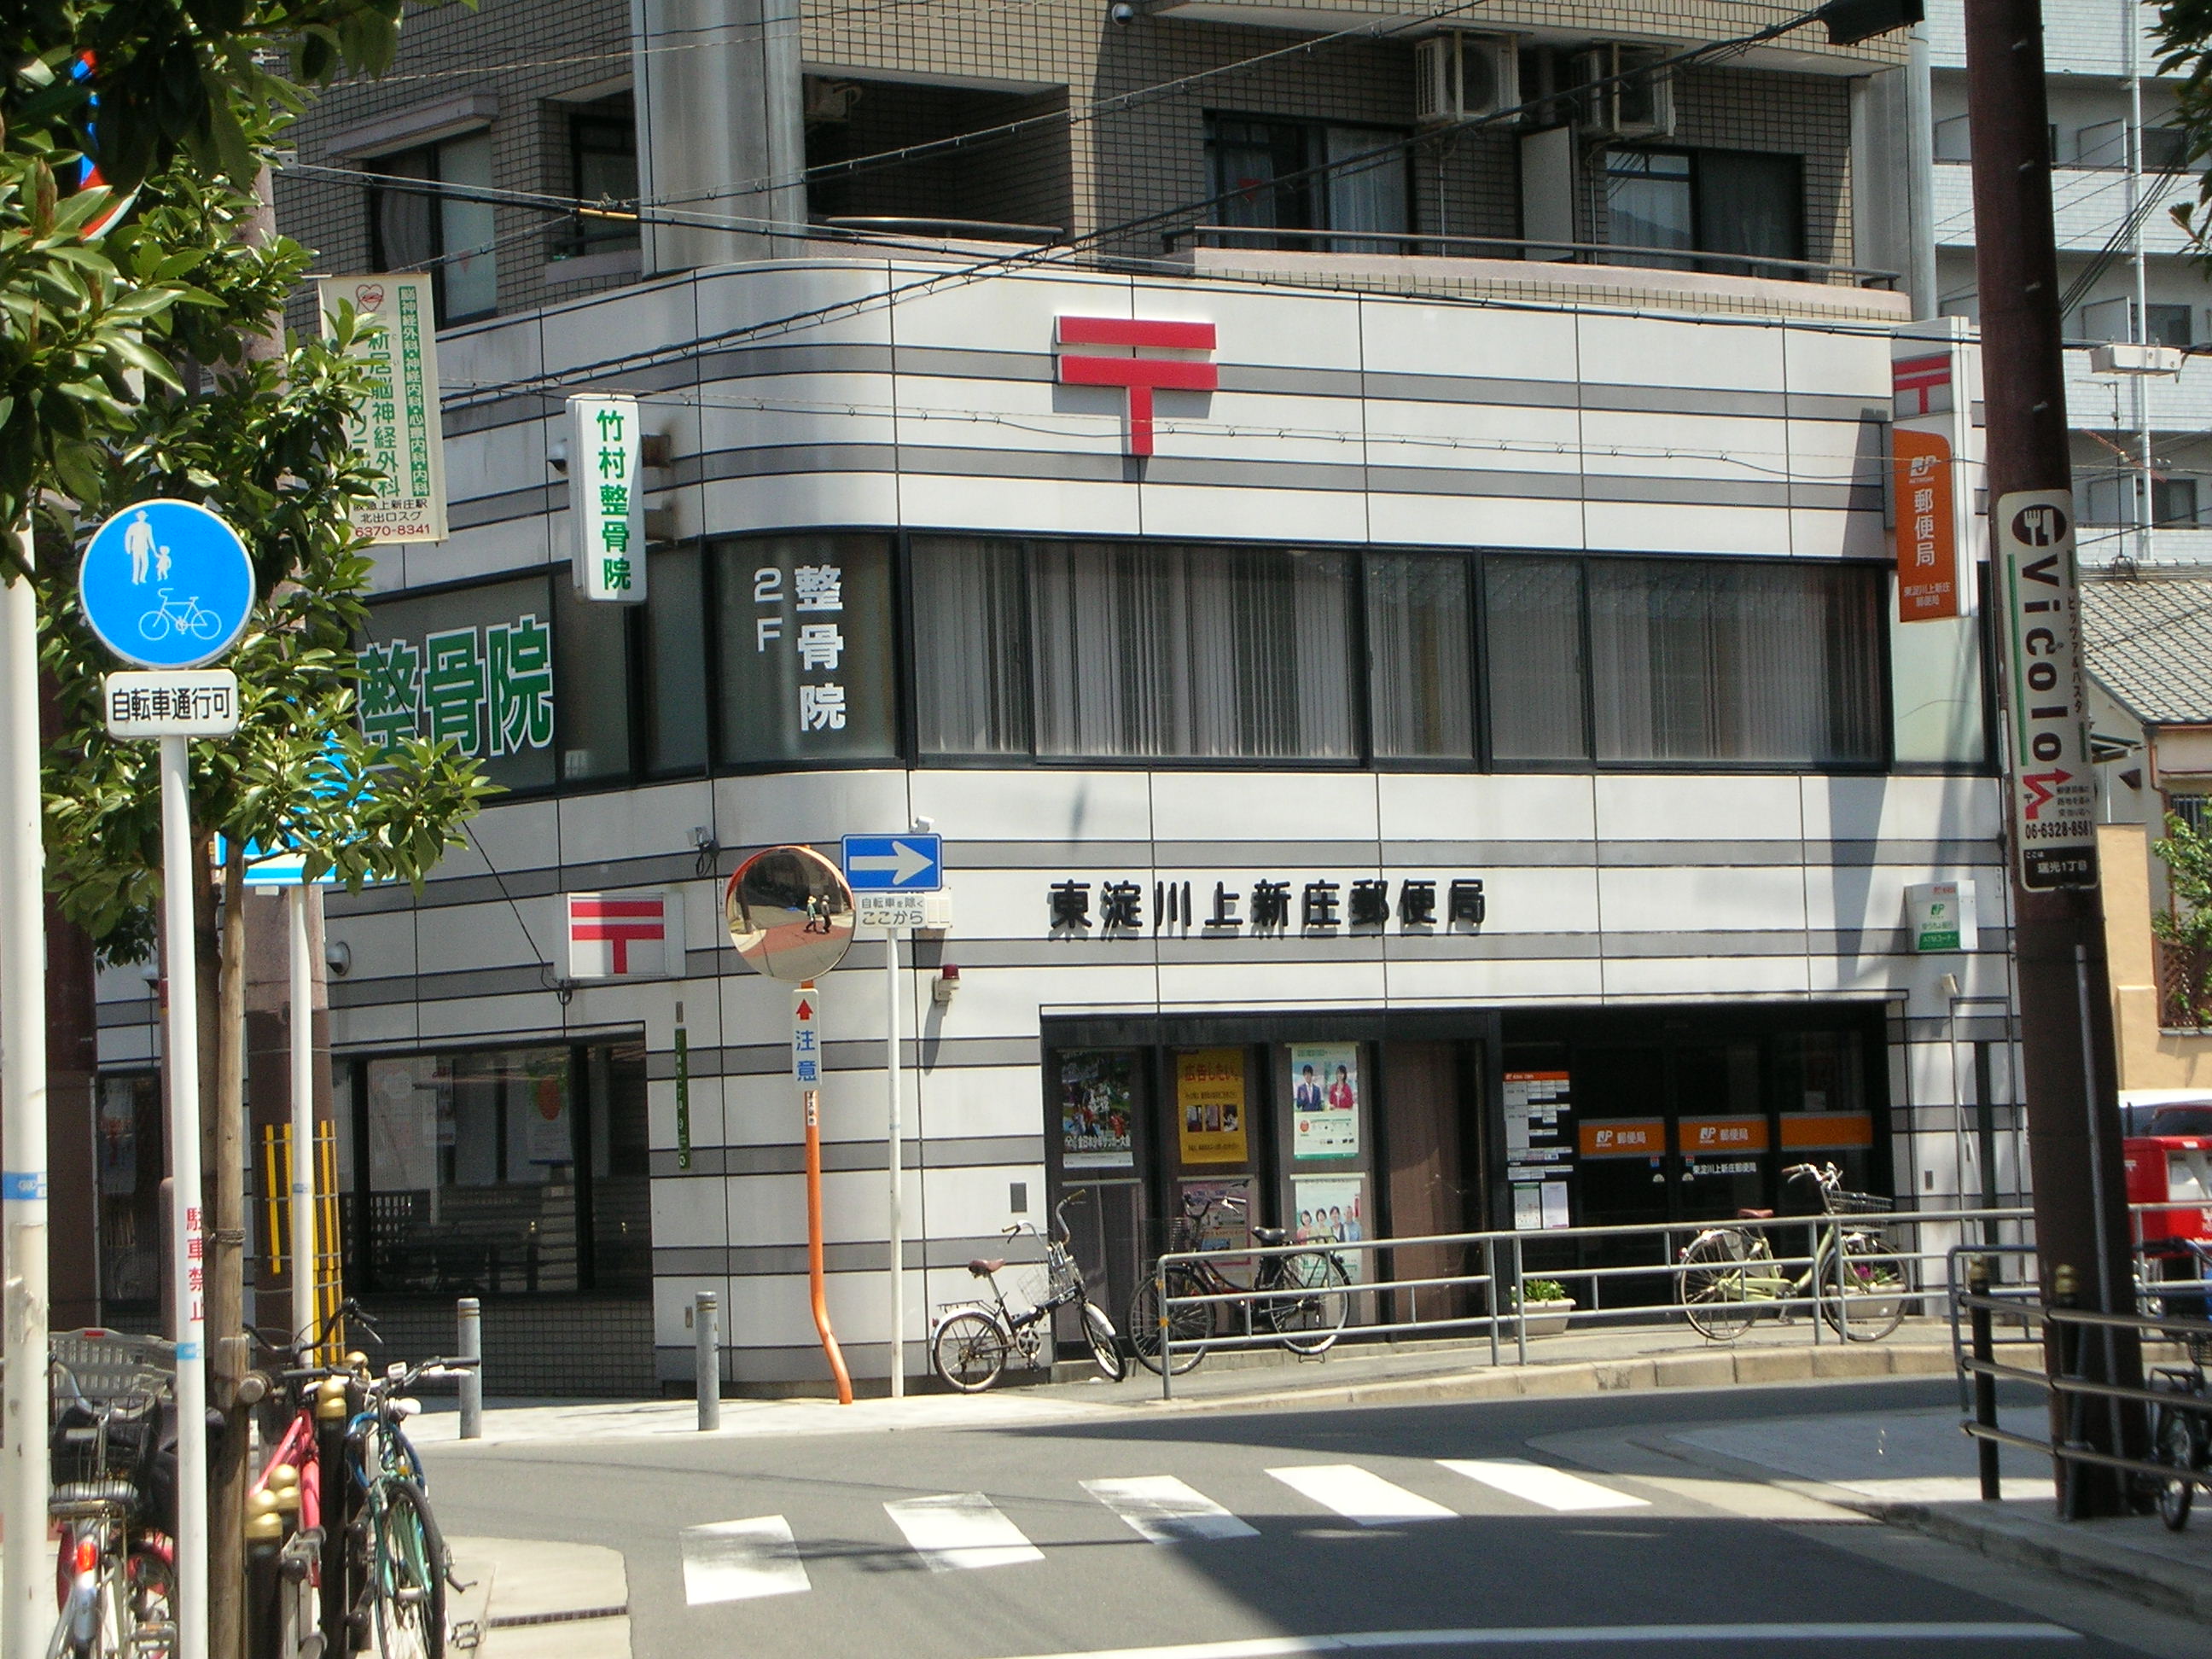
x: 2052, y: 787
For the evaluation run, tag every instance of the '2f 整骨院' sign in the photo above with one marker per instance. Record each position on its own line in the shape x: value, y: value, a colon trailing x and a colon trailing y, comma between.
x: 2054, y: 819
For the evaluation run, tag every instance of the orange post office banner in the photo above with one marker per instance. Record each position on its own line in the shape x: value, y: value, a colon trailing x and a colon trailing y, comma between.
x: 1822, y: 1131
x: 1927, y: 527
x: 1622, y: 1138
x: 1711, y: 1135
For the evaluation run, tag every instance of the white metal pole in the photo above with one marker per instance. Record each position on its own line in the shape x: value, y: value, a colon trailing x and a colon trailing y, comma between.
x: 303, y: 1120
x: 2139, y: 321
x: 186, y: 1256
x: 29, y: 1617
x: 894, y: 1136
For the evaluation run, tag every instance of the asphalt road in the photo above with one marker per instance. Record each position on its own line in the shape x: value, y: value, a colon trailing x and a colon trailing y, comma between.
x: 1395, y: 1529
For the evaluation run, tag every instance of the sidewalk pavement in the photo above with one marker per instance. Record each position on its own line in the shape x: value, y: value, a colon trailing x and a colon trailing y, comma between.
x: 1918, y: 1469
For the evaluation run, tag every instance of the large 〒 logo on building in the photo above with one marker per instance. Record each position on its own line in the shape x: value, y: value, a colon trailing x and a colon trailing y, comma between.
x: 1108, y: 351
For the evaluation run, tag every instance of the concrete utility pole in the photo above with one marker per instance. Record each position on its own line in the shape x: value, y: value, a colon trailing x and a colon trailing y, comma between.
x: 2081, y: 1211
x: 29, y: 1608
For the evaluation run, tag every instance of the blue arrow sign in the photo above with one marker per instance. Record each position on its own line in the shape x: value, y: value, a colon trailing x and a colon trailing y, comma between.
x: 895, y: 864
x: 165, y: 584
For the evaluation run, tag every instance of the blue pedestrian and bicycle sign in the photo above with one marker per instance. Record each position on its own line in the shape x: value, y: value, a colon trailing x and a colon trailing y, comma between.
x: 895, y: 864
x: 167, y: 585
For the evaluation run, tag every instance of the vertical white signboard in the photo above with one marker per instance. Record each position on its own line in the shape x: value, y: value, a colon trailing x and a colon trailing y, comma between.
x: 396, y: 430
x: 2052, y: 786
x: 606, y: 503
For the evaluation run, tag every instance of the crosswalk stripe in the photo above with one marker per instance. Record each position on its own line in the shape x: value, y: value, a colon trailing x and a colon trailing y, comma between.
x: 738, y: 1560
x: 1539, y: 1483
x: 961, y: 1529
x: 1163, y: 1509
x: 1358, y: 1495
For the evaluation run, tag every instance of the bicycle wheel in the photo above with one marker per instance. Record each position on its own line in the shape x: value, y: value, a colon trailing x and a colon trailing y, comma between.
x: 203, y: 624
x: 1308, y: 1321
x: 2173, y: 1443
x: 1872, y: 1304
x: 1193, y: 1324
x: 409, y: 1569
x: 149, y: 1583
x: 1714, y: 1285
x: 1105, y: 1346
x: 968, y: 1351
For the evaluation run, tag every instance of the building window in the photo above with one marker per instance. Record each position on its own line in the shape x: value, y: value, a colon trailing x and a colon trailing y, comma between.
x: 1421, y: 656
x: 804, y: 630
x: 1708, y: 201
x: 1246, y: 157
x: 423, y: 228
x: 2110, y: 319
x: 2168, y: 325
x: 1110, y: 651
x: 1738, y: 662
x: 507, y: 1171
x: 602, y: 168
x: 2173, y: 503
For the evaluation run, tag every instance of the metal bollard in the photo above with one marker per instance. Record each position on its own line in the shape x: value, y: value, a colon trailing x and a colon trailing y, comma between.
x: 705, y: 1318
x: 1985, y: 1385
x: 472, y: 1335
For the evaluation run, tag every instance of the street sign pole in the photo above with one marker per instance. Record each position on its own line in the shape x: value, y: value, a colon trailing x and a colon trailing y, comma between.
x: 894, y: 1136
x: 186, y: 1253
x: 28, y: 1579
x: 806, y: 1069
x: 303, y: 1120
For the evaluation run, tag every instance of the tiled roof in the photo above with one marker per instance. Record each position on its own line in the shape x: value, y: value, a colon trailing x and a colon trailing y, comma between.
x: 2149, y: 643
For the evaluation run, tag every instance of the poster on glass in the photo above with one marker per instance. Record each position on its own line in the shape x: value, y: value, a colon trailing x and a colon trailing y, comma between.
x: 1331, y: 1210
x: 1325, y: 1100
x: 1210, y: 1105
x: 1097, y: 1092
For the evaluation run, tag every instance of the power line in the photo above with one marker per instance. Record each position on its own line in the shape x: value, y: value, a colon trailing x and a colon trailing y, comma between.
x: 1063, y: 253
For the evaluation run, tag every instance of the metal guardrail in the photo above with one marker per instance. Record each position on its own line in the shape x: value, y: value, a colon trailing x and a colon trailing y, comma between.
x: 1545, y: 251
x: 1499, y: 1256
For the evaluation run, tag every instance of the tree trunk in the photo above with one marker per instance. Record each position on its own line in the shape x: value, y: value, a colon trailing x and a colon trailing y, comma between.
x: 229, y: 1350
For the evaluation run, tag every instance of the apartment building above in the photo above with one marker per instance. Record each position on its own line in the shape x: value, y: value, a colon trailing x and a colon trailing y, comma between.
x: 1325, y: 143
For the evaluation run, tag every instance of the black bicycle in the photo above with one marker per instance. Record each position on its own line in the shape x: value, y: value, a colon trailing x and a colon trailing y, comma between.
x: 971, y: 1341
x: 1300, y: 1298
x: 2180, y: 1437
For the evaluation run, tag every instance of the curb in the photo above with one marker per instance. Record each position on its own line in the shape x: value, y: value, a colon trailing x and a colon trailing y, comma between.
x: 1751, y: 1367
x: 2112, y: 1567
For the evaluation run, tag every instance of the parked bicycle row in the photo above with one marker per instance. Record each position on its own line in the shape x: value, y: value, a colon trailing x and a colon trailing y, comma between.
x: 344, y: 1554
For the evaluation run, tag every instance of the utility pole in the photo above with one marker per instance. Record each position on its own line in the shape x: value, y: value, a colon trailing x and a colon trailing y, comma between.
x: 25, y: 1579
x: 2065, y: 996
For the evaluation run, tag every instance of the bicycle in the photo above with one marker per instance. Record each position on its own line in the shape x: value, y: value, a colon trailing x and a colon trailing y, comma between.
x: 403, y: 1595
x: 116, y: 1571
x: 2180, y: 1436
x: 188, y: 616
x: 1303, y: 1297
x: 971, y: 1340
x: 1728, y: 1272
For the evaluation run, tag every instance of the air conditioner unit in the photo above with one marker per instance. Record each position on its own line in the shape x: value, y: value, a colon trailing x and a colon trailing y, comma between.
x: 1622, y: 95
x: 1458, y: 76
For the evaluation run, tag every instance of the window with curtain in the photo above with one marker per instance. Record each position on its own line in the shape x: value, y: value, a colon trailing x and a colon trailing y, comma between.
x: 1533, y: 624
x: 1421, y: 656
x: 1707, y: 201
x: 1261, y: 164
x: 1123, y: 650
x: 411, y: 229
x: 1743, y: 662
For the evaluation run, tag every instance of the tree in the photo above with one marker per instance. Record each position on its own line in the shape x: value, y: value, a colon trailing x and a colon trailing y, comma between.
x: 2184, y: 925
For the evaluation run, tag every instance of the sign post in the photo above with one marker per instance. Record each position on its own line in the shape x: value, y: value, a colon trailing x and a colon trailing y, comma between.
x: 167, y: 585
x: 26, y: 1579
x: 790, y: 915
x: 881, y: 870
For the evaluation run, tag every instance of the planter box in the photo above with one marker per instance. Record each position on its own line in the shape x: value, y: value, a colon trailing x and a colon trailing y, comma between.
x: 1548, y: 1318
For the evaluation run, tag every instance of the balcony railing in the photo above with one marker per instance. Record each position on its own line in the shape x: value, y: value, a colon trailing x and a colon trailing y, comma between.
x: 2184, y: 987
x: 1535, y: 249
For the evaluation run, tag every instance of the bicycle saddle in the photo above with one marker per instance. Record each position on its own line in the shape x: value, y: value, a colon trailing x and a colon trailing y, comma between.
x: 984, y: 1266
x: 1755, y: 1215
x: 1270, y: 1235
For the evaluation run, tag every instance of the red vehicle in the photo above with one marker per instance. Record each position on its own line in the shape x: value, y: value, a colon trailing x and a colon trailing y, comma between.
x: 2169, y: 1161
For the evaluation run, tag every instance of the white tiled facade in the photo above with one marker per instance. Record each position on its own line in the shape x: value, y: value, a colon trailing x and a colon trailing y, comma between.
x: 1344, y: 419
